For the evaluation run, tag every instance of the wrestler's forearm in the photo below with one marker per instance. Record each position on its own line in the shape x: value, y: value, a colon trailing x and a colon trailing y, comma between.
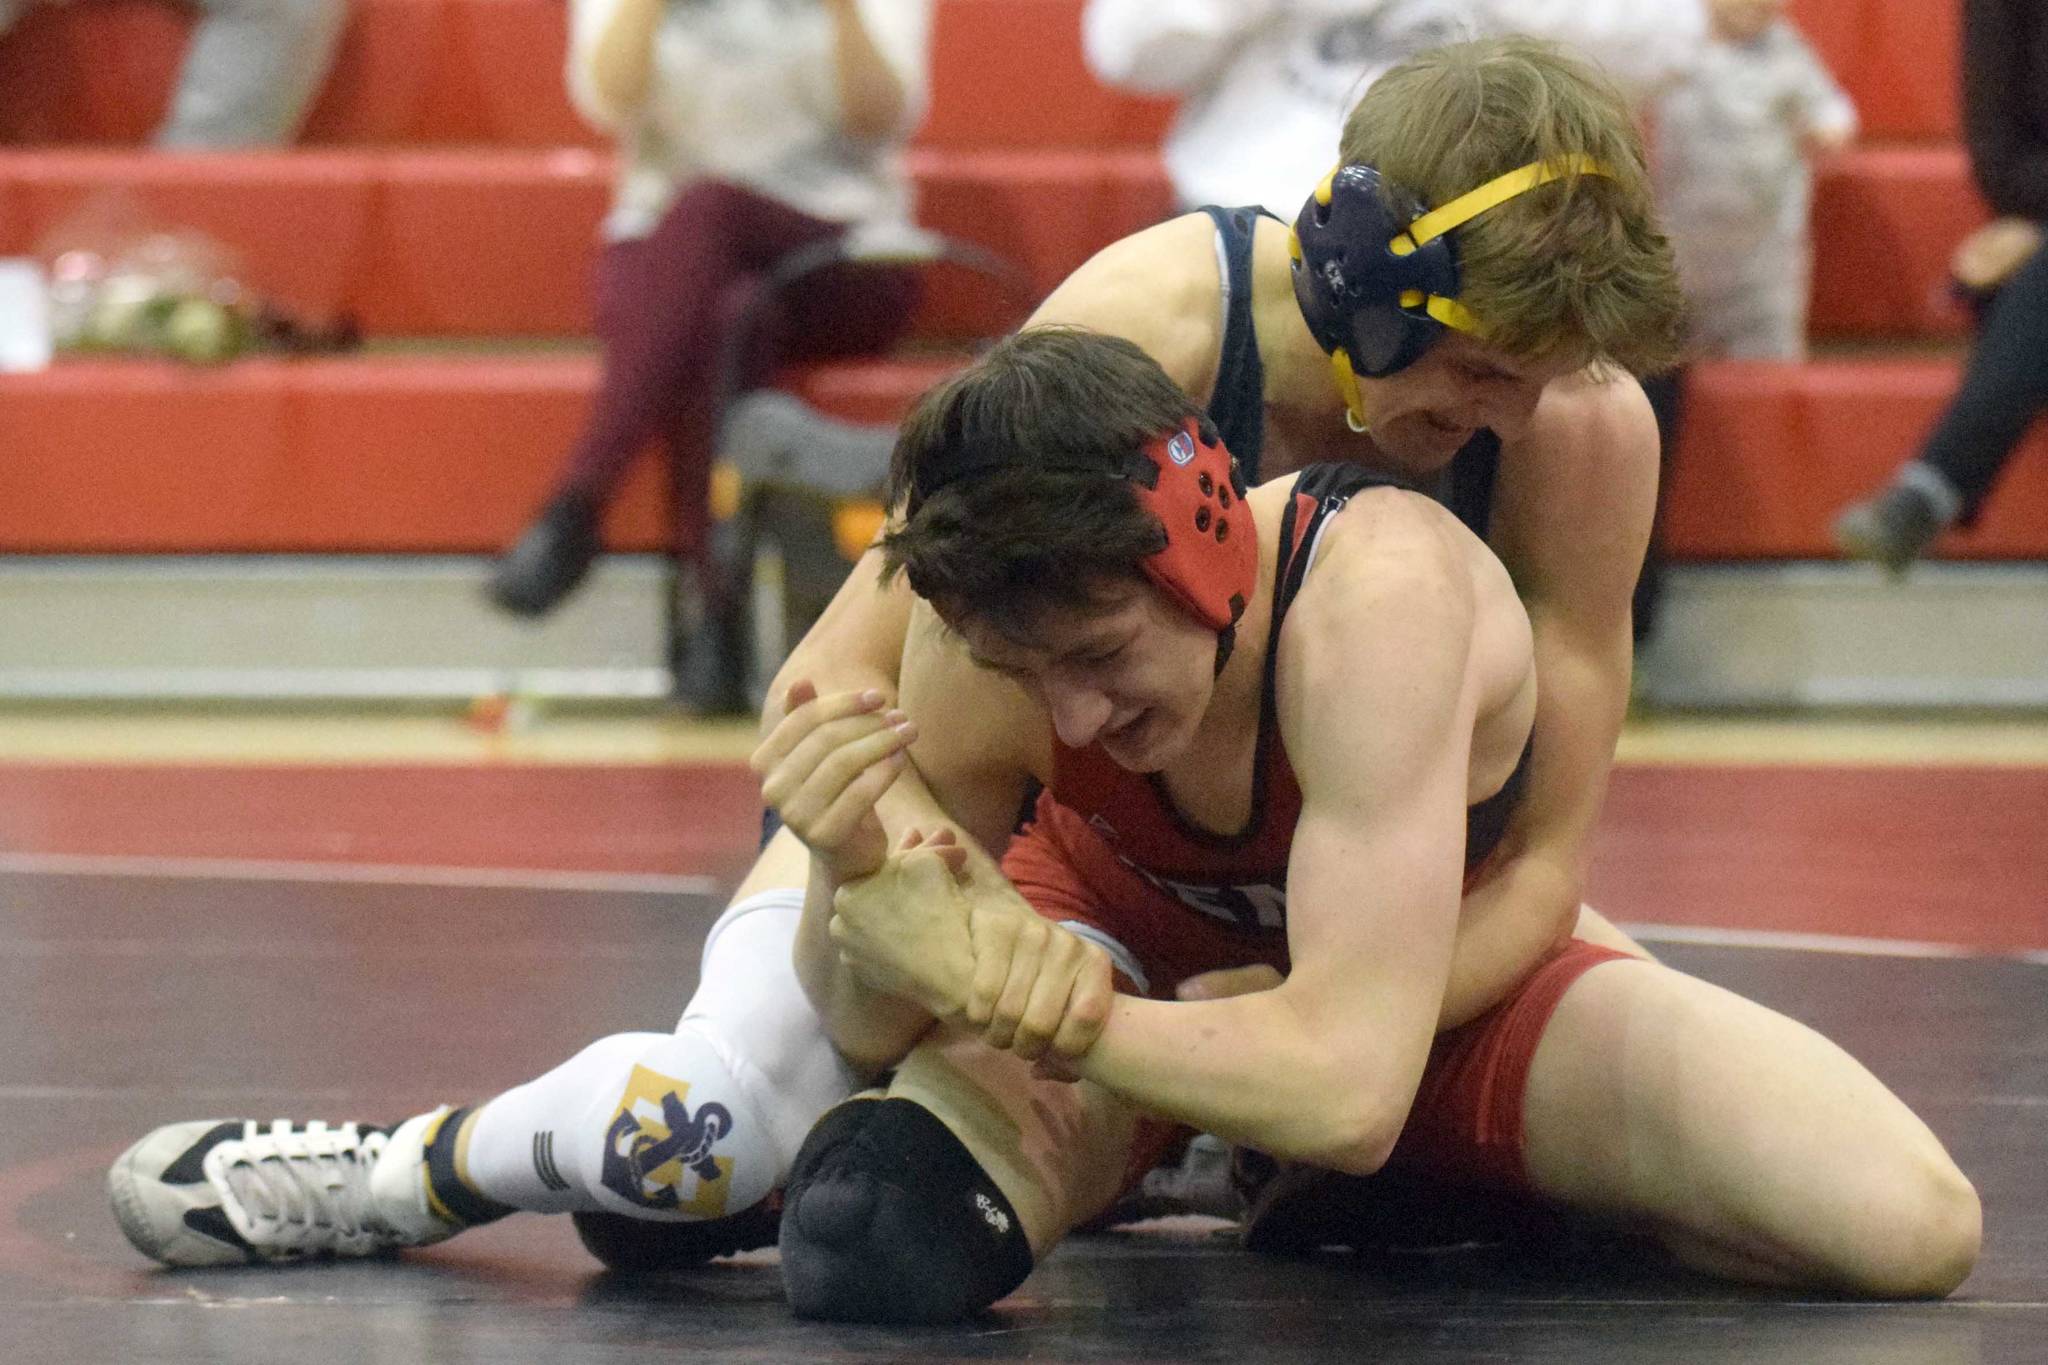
x: 856, y: 643
x: 1505, y: 927
x: 1255, y: 1069
x: 871, y: 1029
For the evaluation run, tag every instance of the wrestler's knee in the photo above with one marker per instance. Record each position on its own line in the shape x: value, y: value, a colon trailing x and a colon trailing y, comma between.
x: 1924, y: 1239
x: 672, y: 1132
x: 889, y: 1218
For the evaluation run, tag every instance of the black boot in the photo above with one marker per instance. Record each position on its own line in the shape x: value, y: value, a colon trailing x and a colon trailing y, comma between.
x: 1893, y: 528
x: 547, y: 563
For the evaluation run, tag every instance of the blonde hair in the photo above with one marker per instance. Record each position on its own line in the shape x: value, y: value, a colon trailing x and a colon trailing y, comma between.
x: 1577, y: 270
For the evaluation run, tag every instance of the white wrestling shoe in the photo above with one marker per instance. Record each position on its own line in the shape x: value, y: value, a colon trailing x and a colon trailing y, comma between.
x: 228, y: 1192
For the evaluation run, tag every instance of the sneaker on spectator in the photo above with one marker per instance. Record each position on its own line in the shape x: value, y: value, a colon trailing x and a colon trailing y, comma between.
x: 550, y: 560
x: 1895, y: 527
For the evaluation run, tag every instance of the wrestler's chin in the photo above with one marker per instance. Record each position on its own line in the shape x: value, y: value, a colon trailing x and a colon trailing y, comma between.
x: 1417, y: 446
x: 1142, y: 744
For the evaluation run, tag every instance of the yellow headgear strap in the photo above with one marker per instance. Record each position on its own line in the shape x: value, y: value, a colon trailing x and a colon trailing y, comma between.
x: 1492, y: 194
x: 1428, y: 228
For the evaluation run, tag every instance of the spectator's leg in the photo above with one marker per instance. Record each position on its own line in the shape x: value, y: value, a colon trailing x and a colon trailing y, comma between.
x: 854, y: 309
x: 839, y: 311
x: 2004, y: 387
x: 665, y: 337
x: 251, y: 71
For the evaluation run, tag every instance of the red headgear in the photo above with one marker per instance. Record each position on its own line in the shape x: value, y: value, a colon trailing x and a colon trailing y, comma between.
x: 1189, y: 482
x: 1211, y: 561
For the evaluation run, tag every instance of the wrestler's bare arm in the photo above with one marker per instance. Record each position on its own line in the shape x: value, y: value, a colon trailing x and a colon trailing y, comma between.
x: 834, y: 772
x: 856, y: 644
x: 981, y: 742
x: 1157, y: 289
x: 1378, y: 702
x: 1571, y: 518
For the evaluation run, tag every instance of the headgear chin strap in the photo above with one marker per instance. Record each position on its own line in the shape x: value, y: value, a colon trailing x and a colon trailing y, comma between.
x: 1377, y: 276
x: 1188, y: 480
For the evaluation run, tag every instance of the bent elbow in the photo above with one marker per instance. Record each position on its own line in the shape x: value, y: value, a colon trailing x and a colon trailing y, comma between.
x: 1356, y: 1139
x: 1363, y: 1154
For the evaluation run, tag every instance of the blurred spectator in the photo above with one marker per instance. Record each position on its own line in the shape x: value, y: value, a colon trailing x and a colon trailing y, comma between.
x: 2000, y: 268
x: 1735, y: 138
x: 748, y: 129
x: 251, y: 70
x: 1265, y: 84
x: 1734, y: 180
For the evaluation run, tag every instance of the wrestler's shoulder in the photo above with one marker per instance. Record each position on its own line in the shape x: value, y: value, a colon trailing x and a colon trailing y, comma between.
x: 1389, y: 545
x: 1158, y: 288
x: 1594, y: 419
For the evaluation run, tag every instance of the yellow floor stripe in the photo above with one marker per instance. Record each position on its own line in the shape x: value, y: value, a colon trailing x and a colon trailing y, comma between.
x: 45, y: 735
x: 1918, y: 742
x: 227, y: 737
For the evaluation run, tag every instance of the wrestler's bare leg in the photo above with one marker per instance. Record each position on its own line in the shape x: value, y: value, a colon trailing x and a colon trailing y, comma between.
x: 1059, y: 1152
x: 1755, y: 1147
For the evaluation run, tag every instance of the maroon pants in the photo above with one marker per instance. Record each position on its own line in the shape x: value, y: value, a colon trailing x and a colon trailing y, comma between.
x: 686, y: 321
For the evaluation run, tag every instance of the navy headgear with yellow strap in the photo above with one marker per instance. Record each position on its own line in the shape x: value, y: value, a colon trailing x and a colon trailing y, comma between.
x: 1376, y: 273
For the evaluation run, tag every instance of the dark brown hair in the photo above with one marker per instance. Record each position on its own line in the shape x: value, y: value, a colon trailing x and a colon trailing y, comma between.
x: 999, y: 513
x: 1577, y: 270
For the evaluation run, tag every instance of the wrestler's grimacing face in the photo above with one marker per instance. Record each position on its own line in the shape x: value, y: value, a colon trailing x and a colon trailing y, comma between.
x: 1420, y: 416
x: 1133, y: 672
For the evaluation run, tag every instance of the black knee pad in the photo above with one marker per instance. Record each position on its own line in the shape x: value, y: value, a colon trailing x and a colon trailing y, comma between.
x: 644, y: 1245
x: 888, y: 1218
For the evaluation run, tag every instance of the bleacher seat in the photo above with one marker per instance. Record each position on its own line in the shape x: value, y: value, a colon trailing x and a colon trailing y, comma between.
x: 378, y: 455
x: 450, y: 193
x: 496, y: 242
x: 1771, y: 452
x: 1008, y: 73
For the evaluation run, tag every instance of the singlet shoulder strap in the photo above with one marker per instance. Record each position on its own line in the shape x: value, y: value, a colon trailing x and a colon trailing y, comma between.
x: 1320, y: 492
x: 1237, y: 405
x: 1466, y: 487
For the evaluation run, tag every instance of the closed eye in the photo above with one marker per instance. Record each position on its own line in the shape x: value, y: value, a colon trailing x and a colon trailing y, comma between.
x: 1015, y: 675
x: 1097, y: 659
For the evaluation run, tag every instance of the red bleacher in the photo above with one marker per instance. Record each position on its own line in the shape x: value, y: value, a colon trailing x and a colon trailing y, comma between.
x: 415, y: 455
x: 1009, y: 74
x: 448, y: 191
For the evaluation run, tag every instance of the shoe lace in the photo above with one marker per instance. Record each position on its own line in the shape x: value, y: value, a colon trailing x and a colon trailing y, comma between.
x: 299, y: 1180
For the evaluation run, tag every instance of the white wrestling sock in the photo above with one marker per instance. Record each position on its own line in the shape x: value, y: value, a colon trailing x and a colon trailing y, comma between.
x: 699, y: 1123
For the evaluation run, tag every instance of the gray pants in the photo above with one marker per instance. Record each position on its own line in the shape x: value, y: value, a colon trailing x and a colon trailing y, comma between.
x: 252, y: 68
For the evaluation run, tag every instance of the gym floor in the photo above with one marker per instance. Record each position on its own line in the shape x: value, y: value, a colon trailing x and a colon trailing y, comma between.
x: 358, y: 917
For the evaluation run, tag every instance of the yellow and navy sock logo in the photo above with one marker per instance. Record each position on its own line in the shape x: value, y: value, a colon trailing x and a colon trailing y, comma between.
x: 657, y: 1154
